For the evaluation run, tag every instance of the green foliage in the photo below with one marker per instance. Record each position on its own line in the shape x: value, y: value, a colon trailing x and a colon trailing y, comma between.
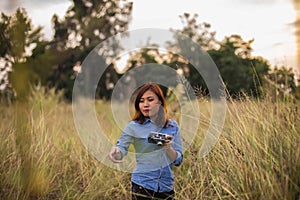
x: 198, y: 32
x: 284, y: 78
x: 85, y: 25
x: 30, y: 60
x: 18, y: 36
x: 50, y: 63
x: 240, y: 72
x: 90, y: 22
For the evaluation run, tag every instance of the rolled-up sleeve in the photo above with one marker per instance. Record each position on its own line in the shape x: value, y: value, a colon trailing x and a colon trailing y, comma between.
x: 125, y: 140
x: 177, y: 145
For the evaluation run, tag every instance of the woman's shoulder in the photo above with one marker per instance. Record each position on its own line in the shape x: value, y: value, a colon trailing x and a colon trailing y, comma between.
x: 172, y: 123
x: 132, y: 123
x: 130, y: 126
x: 136, y: 123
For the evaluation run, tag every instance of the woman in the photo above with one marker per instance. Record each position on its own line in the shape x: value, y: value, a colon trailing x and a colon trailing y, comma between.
x: 153, y: 176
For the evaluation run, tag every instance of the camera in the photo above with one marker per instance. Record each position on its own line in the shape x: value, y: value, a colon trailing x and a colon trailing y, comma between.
x: 159, y: 138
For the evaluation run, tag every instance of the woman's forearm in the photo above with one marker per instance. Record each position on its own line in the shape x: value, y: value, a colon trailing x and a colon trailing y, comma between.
x: 172, y: 154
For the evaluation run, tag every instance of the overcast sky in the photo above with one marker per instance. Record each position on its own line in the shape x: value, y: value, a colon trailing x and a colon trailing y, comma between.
x: 268, y: 22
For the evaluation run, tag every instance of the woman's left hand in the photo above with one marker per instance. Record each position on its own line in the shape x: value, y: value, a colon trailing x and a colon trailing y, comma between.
x: 172, y: 154
x: 167, y: 145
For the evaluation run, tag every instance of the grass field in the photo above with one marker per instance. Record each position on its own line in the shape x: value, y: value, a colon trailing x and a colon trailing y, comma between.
x: 256, y: 157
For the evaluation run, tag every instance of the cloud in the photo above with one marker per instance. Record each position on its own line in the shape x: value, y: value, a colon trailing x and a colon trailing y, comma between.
x: 259, y: 2
x: 9, y: 6
x: 277, y: 44
x: 39, y: 3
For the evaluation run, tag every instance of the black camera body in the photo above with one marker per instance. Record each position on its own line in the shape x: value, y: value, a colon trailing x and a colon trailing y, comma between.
x: 159, y: 138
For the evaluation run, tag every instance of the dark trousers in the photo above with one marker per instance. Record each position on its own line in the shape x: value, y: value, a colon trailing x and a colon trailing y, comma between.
x: 141, y: 193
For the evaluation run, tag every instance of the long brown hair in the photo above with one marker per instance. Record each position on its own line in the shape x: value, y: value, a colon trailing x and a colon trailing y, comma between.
x: 163, y: 118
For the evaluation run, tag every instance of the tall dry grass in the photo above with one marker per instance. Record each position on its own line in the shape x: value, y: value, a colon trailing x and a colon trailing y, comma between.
x: 256, y: 157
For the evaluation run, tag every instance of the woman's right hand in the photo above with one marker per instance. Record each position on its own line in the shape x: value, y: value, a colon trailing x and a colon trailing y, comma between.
x: 115, y: 155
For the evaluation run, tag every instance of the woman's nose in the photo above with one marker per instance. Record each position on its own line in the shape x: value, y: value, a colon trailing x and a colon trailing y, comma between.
x: 146, y: 103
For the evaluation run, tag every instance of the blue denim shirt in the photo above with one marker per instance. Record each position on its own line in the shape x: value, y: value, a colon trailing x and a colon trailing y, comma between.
x: 153, y: 167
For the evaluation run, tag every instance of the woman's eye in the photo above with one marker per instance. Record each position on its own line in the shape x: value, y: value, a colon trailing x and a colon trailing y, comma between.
x: 141, y: 100
x: 150, y: 100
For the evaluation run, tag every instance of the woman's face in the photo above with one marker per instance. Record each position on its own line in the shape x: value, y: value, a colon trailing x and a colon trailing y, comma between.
x: 149, y: 104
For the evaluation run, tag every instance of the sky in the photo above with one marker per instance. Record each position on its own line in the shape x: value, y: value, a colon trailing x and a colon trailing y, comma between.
x: 269, y: 22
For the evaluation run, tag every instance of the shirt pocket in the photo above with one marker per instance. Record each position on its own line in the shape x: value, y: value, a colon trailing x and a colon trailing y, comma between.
x: 169, y: 131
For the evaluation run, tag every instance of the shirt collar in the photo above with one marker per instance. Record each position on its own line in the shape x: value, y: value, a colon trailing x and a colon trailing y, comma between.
x: 147, y: 120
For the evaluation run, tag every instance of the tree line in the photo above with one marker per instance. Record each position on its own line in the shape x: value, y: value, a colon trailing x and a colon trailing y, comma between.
x: 28, y: 59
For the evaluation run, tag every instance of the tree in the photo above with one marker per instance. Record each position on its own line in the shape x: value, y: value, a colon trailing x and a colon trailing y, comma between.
x: 85, y: 25
x: 17, y: 38
x: 202, y: 37
x: 282, y: 80
x: 239, y: 70
x: 198, y: 32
